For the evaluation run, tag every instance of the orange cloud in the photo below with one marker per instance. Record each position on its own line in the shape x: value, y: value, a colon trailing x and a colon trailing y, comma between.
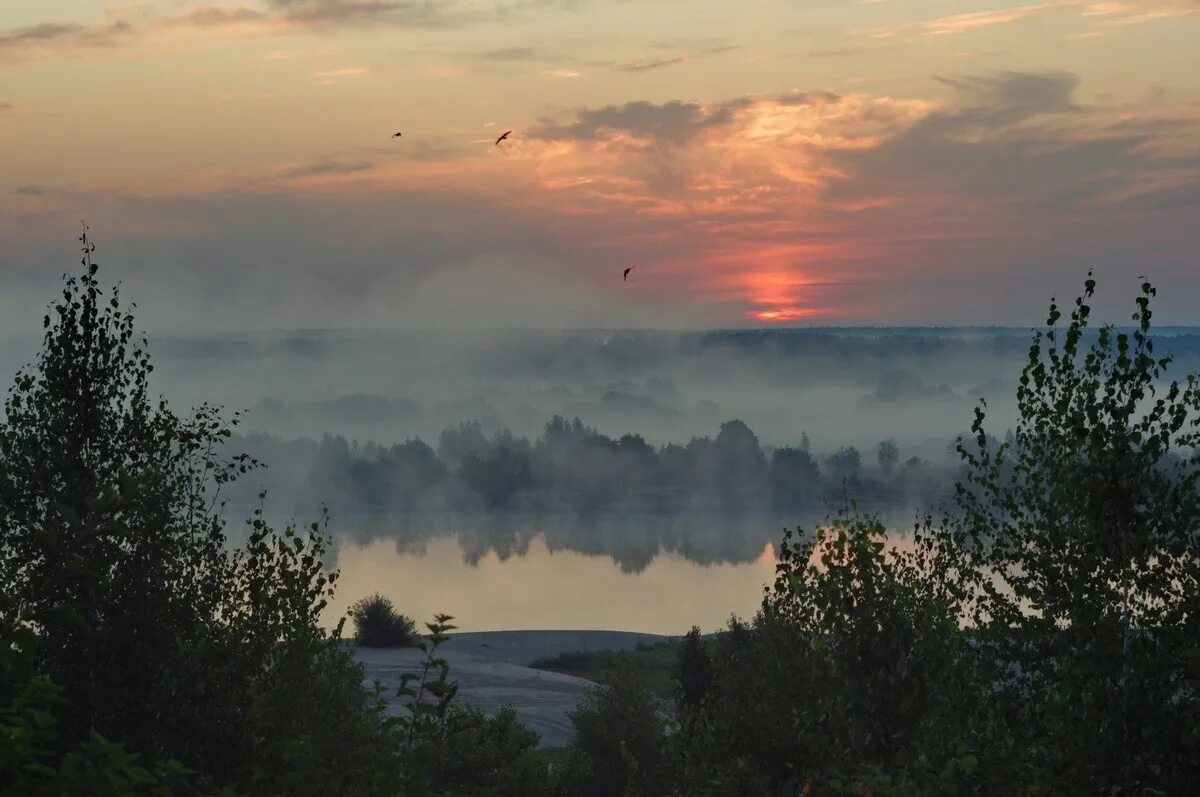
x: 740, y: 157
x: 732, y: 192
x: 1133, y: 12
x: 959, y: 23
x: 788, y: 207
x: 766, y: 209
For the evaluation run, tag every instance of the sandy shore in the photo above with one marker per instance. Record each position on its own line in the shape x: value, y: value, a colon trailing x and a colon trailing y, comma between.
x: 492, y: 671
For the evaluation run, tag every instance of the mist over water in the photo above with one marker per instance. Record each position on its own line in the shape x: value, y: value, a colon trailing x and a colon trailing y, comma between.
x: 336, y: 417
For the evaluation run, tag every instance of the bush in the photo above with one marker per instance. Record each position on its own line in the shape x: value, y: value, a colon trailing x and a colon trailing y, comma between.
x: 498, y: 757
x: 33, y: 757
x: 842, y: 675
x: 621, y: 730
x: 377, y: 624
x: 32, y: 761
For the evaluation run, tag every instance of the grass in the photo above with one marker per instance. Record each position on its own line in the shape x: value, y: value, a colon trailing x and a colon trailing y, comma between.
x: 658, y: 663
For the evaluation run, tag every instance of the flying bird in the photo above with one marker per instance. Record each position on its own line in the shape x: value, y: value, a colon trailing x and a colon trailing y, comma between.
x: 625, y: 276
x: 506, y: 132
x: 397, y: 135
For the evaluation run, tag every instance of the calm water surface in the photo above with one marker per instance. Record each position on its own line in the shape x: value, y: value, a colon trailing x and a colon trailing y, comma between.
x: 550, y: 589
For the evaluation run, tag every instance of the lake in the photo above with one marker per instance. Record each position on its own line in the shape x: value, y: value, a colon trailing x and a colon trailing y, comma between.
x: 541, y: 588
x: 658, y: 573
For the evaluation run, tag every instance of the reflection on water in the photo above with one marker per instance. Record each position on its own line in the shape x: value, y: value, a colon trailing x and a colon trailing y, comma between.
x: 550, y: 589
x: 628, y: 571
x: 630, y: 539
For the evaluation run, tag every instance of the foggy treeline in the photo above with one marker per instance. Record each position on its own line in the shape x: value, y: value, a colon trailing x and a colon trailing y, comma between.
x: 572, y: 467
x: 843, y: 386
x: 412, y: 435
x: 408, y: 436
x: 718, y: 498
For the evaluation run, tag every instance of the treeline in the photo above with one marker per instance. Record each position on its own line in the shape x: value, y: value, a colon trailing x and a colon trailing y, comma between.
x: 573, y: 467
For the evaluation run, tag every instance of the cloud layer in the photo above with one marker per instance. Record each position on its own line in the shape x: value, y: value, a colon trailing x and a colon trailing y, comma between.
x: 235, y: 151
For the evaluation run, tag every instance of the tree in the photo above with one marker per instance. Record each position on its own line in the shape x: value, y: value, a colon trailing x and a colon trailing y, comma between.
x: 1077, y: 549
x: 845, y: 464
x: 107, y: 537
x: 732, y: 468
x: 499, y: 474
x: 153, y: 633
x: 455, y: 443
x: 889, y: 455
x: 695, y: 669
x: 795, y: 476
x: 498, y: 757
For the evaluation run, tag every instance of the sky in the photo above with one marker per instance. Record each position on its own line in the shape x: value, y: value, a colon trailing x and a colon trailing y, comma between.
x: 764, y: 162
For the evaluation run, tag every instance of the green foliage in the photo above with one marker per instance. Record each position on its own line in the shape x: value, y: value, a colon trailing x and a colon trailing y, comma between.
x: 655, y: 663
x: 112, y: 550
x: 622, y: 731
x: 842, y: 675
x: 446, y: 747
x: 498, y: 757
x: 795, y: 476
x: 574, y: 466
x: 377, y: 624
x: 105, y: 540
x: 500, y: 474
x: 126, y: 617
x: 307, y: 720
x: 878, y: 636
x: 695, y: 671
x: 1039, y: 640
x: 427, y: 696
x: 33, y: 758
x: 33, y: 763
x: 888, y: 455
x: 845, y: 464
x: 1078, y: 553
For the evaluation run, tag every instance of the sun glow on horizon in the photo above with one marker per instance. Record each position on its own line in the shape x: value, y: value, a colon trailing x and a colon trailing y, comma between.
x: 781, y: 295
x: 783, y: 314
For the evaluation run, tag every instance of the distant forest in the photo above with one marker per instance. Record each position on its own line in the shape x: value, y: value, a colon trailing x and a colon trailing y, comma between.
x: 573, y: 467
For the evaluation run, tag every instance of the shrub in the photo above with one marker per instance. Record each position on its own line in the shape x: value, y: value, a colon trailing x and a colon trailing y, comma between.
x: 498, y: 757
x: 377, y: 624
x: 447, y: 747
x: 33, y: 757
x: 620, y: 728
x: 841, y: 675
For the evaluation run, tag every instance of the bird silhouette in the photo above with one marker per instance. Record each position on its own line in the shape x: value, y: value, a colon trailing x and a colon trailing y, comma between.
x: 506, y: 132
x: 397, y: 135
x: 625, y: 276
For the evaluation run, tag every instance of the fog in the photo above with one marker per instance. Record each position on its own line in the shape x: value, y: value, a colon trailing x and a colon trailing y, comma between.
x: 412, y: 436
x: 840, y: 386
